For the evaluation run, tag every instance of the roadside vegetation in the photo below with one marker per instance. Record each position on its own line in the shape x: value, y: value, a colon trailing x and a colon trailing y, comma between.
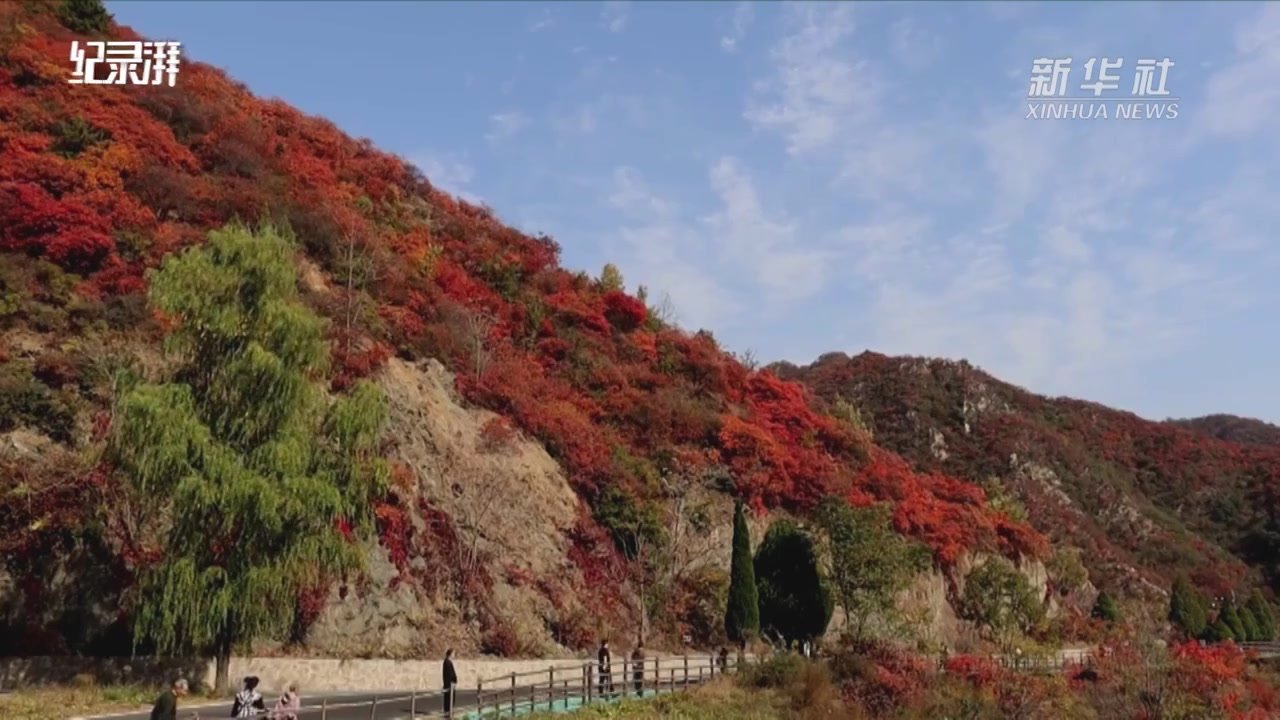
x: 60, y: 703
x: 862, y: 681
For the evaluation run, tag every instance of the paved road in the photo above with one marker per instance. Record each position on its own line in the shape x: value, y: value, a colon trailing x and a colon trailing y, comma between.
x: 351, y: 706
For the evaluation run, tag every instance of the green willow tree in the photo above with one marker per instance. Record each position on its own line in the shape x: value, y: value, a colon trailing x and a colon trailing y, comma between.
x: 259, y: 484
x: 795, y: 599
x: 742, y: 614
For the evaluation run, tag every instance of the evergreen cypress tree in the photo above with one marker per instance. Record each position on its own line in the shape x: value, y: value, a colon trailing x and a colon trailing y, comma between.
x: 742, y: 615
x: 1104, y: 608
x: 1231, y: 617
x: 251, y: 477
x: 1219, y: 631
x: 1250, y: 624
x: 1262, y: 614
x: 1186, y: 607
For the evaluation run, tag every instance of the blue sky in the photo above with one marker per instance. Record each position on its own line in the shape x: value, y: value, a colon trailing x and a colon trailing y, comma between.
x: 808, y: 178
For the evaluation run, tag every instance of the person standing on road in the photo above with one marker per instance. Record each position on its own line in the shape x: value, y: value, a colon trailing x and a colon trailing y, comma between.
x: 448, y: 681
x: 637, y: 662
x: 288, y: 705
x: 166, y: 707
x: 723, y: 659
x: 605, y: 661
x: 249, y: 701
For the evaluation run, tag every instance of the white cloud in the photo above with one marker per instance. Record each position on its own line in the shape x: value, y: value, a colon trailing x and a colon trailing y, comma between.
x: 660, y: 259
x: 614, y: 15
x: 768, y: 250
x: 448, y: 173
x: 1067, y: 244
x: 715, y: 266
x: 505, y: 124
x: 632, y: 196
x: 609, y: 112
x: 1243, y: 97
x: 665, y: 253
x: 914, y: 46
x: 743, y: 14
x: 542, y: 22
x: 815, y: 90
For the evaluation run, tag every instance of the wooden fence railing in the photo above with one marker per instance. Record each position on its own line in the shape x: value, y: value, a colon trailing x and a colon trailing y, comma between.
x: 1268, y: 649
x: 567, y: 687
x: 416, y: 704
x: 1046, y: 665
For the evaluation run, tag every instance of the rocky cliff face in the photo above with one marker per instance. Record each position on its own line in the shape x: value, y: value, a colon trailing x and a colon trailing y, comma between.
x: 1141, y: 500
x: 930, y: 604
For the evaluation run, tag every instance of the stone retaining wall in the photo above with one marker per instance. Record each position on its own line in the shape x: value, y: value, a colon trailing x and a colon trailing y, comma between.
x: 50, y: 670
x: 329, y: 674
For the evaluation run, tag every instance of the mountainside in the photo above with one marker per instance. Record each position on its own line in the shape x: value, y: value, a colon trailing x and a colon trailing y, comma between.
x: 547, y: 429
x: 1233, y: 428
x: 1144, y: 500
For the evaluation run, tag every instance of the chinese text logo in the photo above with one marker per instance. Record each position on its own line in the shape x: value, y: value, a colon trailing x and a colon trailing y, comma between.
x: 1098, y: 98
x: 127, y: 63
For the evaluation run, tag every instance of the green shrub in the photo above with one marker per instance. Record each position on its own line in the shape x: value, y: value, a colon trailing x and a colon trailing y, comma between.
x: 795, y: 599
x: 1231, y: 617
x: 1187, y: 607
x: 24, y: 400
x: 1262, y: 615
x: 1105, y: 608
x: 998, y: 596
x: 776, y: 671
x: 84, y: 16
x: 76, y: 135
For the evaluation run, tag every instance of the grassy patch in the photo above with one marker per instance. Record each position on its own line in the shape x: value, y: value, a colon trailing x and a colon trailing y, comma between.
x: 716, y: 701
x: 60, y: 703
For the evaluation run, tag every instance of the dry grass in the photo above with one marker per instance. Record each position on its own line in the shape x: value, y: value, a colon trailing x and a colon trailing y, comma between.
x: 721, y: 700
x: 62, y: 702
x: 59, y: 703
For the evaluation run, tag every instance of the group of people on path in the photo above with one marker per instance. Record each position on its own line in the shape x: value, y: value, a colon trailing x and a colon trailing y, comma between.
x: 604, y: 667
x: 247, y: 703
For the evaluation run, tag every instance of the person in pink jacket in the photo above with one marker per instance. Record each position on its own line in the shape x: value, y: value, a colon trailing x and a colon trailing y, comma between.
x: 288, y: 705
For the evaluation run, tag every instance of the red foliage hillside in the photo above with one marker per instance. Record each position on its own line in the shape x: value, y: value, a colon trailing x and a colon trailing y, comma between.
x: 99, y: 183
x: 1233, y: 428
x: 1132, y: 492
